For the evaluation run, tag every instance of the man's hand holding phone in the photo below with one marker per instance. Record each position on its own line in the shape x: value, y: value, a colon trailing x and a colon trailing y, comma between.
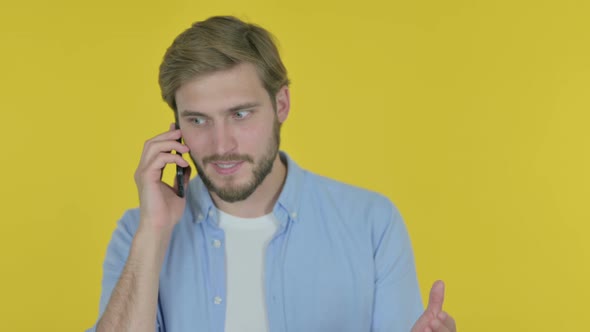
x: 161, y: 207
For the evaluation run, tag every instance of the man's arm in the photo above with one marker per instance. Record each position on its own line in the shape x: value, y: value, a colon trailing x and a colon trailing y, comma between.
x: 132, y: 305
x: 398, y: 306
x: 133, y: 302
x: 397, y: 302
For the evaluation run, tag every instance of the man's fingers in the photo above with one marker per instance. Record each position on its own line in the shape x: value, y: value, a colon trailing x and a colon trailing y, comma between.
x: 421, y: 324
x: 172, y: 133
x: 163, y: 159
x: 437, y: 297
x: 437, y: 326
x: 438, y: 320
x: 164, y: 146
x: 447, y: 320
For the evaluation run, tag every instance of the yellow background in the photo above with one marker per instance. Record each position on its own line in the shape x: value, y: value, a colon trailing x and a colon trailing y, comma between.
x: 472, y: 116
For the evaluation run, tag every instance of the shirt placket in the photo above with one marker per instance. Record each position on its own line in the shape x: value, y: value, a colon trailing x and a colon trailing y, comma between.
x: 275, y: 304
x: 215, y: 238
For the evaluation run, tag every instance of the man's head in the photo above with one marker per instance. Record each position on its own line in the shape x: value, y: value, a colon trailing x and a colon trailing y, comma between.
x: 217, y: 44
x: 226, y: 83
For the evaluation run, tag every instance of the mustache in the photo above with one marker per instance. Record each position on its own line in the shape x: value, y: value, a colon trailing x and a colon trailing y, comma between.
x: 228, y: 157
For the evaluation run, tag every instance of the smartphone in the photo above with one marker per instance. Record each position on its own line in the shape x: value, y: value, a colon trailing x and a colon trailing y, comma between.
x: 179, y: 170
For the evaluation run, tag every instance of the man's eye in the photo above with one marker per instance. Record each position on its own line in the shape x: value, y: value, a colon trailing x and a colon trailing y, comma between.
x: 198, y: 121
x: 241, y: 114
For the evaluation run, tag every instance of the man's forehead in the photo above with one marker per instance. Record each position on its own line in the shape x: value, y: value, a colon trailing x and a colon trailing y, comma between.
x: 240, y: 72
x: 221, y: 91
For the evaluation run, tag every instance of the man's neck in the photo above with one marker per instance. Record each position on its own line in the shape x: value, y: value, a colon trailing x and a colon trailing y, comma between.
x: 263, y: 199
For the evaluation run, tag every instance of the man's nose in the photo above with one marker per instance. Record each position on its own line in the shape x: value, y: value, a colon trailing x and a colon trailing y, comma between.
x: 224, y: 139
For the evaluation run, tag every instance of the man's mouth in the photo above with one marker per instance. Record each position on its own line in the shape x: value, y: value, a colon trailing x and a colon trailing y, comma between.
x: 227, y: 167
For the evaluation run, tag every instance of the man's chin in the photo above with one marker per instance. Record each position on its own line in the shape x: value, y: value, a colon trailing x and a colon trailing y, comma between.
x: 230, y: 193
x: 233, y: 195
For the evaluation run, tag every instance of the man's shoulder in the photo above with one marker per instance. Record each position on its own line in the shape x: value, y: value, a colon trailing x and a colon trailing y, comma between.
x: 346, y: 194
x: 348, y: 205
x: 130, y: 219
x: 127, y: 225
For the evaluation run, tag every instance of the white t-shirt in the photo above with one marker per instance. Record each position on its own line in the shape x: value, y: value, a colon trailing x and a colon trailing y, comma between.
x: 246, y: 240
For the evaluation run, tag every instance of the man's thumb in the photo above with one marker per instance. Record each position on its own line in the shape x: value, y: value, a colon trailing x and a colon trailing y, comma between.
x: 437, y: 296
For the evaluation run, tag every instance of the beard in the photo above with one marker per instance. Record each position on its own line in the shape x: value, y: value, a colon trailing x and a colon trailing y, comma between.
x: 235, y: 193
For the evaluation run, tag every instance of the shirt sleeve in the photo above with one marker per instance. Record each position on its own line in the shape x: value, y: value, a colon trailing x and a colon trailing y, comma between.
x: 398, y: 303
x: 115, y: 259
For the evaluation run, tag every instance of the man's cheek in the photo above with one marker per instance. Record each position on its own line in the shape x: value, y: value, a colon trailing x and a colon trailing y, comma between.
x: 197, y: 159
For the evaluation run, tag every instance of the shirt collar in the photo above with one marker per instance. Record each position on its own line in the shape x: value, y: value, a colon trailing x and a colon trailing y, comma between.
x: 201, y: 204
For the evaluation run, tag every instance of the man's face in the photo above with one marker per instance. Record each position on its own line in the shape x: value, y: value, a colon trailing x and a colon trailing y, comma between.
x: 233, y: 132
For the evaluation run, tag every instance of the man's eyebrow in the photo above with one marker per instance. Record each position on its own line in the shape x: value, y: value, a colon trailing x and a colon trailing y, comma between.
x: 229, y: 110
x: 242, y: 107
x: 191, y: 113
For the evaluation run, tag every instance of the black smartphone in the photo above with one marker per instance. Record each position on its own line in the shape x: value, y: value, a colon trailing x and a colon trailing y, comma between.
x: 179, y: 170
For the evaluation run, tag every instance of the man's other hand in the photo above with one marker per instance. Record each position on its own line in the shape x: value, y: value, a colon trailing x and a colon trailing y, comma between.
x: 434, y: 319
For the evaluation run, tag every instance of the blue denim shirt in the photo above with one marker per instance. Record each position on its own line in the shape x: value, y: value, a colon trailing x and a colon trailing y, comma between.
x: 340, y: 261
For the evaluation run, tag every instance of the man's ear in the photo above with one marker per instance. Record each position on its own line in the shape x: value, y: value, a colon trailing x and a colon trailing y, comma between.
x: 283, y: 102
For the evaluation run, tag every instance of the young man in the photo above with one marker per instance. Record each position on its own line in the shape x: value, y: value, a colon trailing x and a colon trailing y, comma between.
x: 257, y: 244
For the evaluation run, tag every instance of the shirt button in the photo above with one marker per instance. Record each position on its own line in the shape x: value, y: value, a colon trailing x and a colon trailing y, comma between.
x: 216, y: 243
x: 211, y: 213
x: 294, y: 215
x: 217, y: 300
x: 200, y: 216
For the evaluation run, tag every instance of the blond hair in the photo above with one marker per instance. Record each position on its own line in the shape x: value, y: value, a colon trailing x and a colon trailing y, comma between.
x: 220, y: 43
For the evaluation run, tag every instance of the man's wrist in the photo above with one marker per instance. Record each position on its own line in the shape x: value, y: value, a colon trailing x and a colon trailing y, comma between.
x: 150, y: 244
